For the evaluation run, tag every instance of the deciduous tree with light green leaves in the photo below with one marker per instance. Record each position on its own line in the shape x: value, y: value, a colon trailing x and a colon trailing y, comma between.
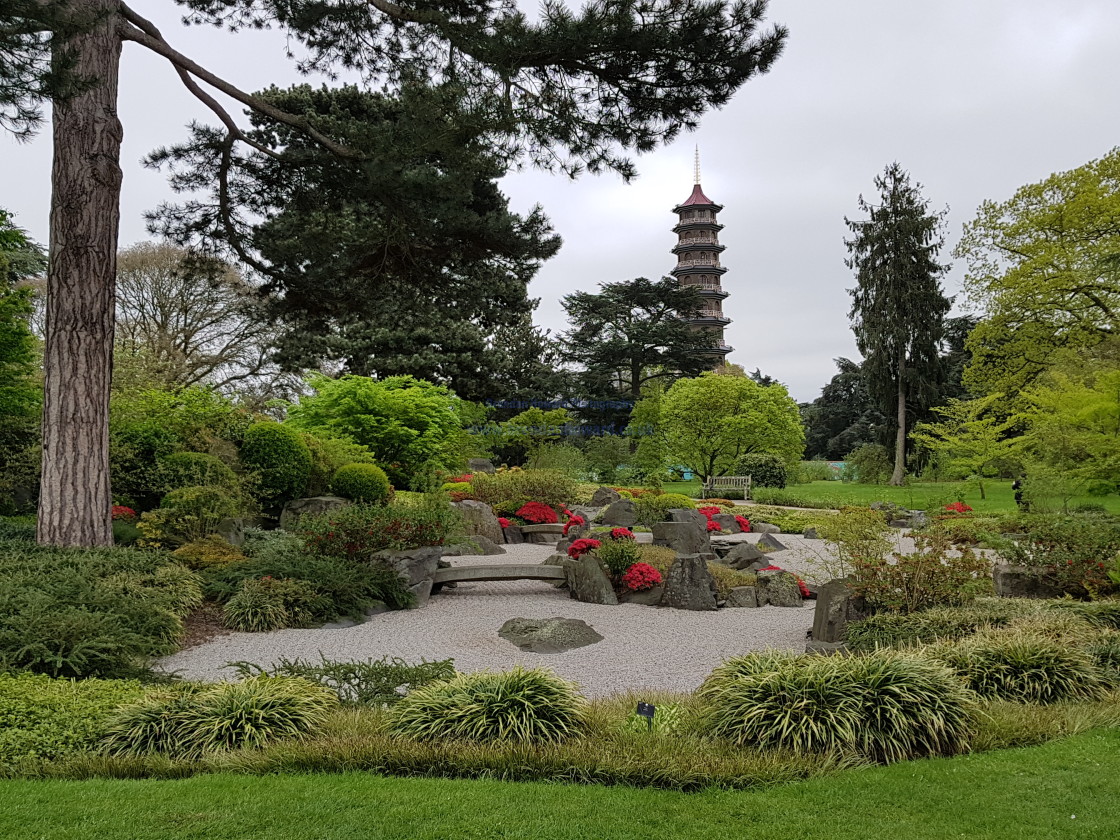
x: 970, y: 437
x: 709, y: 422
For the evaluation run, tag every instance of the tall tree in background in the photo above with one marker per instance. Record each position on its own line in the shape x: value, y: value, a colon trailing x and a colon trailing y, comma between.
x: 843, y: 417
x: 633, y: 333
x: 566, y: 90
x: 898, y: 306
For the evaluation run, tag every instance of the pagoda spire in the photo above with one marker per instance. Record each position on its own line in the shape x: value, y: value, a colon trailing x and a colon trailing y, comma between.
x: 696, y: 167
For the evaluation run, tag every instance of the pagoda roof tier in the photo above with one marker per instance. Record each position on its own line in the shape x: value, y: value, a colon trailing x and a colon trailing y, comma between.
x: 696, y: 225
x: 708, y: 321
x: 698, y: 269
x: 698, y: 246
x: 697, y: 199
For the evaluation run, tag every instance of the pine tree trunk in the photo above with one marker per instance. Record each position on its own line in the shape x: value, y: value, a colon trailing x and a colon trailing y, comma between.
x: 898, y: 478
x: 75, y: 500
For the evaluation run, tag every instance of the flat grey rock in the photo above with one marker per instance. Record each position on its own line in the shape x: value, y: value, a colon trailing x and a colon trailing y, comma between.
x: 549, y: 635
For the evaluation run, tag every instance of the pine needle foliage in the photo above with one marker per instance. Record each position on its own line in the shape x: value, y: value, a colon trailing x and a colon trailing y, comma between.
x: 525, y: 706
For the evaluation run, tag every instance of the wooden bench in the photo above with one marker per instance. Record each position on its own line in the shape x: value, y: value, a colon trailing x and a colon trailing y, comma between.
x: 458, y: 574
x: 727, y: 482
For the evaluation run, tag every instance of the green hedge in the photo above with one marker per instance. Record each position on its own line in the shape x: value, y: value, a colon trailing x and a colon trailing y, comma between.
x: 281, y: 460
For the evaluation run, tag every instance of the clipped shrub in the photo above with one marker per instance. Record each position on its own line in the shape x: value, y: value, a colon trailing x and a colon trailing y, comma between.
x: 899, y: 630
x: 765, y: 470
x: 200, y: 721
x: 195, y: 469
x: 885, y: 706
x: 281, y: 460
x: 375, y: 682
x: 651, y: 508
x: 360, y: 530
x: 524, y: 706
x: 1022, y: 668
x: 328, y: 454
x: 209, y: 551
x: 362, y: 483
x: 618, y: 556
x: 186, y: 515
x: 551, y: 487
x: 727, y: 578
x: 126, y: 533
x: 659, y: 556
x: 44, y: 718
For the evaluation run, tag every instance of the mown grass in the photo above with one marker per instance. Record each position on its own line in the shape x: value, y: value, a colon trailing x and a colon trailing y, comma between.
x: 999, y: 497
x: 1063, y: 789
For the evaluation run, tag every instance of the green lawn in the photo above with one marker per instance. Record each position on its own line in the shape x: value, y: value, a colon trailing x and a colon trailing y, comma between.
x: 1068, y: 788
x: 919, y: 495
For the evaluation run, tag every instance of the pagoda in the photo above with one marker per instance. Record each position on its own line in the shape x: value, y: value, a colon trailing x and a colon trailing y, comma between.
x: 697, y: 252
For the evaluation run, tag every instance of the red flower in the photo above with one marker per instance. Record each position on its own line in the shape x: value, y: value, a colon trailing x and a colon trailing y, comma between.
x: 120, y: 512
x: 710, y: 511
x: 505, y: 523
x: 958, y: 507
x: 581, y: 546
x: 713, y: 525
x: 575, y: 521
x: 537, y: 513
x: 640, y: 577
x: 460, y: 479
x: 622, y: 534
x: 744, y: 523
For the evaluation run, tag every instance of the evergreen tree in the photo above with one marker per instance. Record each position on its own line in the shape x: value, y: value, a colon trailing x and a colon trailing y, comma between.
x: 568, y: 90
x: 898, y: 306
x: 843, y: 417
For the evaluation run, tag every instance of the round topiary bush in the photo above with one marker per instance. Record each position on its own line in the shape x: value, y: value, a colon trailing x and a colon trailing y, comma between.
x: 885, y: 706
x: 525, y: 706
x: 281, y: 460
x: 195, y: 469
x: 652, y: 509
x: 764, y: 470
x: 362, y: 483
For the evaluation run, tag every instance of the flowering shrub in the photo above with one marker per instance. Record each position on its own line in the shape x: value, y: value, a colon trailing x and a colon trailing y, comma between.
x: 744, y: 523
x: 713, y: 525
x: 622, y: 534
x: 710, y: 511
x: 505, y: 523
x: 357, y: 531
x: 538, y: 513
x: 123, y: 514
x: 931, y: 576
x: 640, y: 577
x: 581, y: 546
x: 460, y: 479
x: 958, y: 507
x: 574, y: 522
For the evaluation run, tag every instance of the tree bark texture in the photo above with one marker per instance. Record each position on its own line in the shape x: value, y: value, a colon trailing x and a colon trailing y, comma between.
x: 75, y: 504
x: 899, y: 475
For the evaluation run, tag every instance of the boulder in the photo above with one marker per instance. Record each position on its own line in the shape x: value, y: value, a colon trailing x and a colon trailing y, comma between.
x: 687, y: 515
x: 622, y: 513
x: 810, y: 534
x: 743, y: 554
x: 587, y: 582
x: 232, y: 530
x: 557, y: 560
x: 548, y: 635
x: 682, y: 537
x: 296, y: 508
x: 1024, y: 582
x: 726, y: 522
x: 542, y: 534
x: 899, y: 523
x: 778, y: 589
x: 513, y: 535
x: 689, y: 585
x: 480, y: 521
x: 765, y: 528
x: 651, y: 597
x: 423, y: 593
x: 919, y: 519
x: 836, y: 608
x: 742, y: 596
x: 473, y: 546
x: 770, y: 543
x: 480, y: 465
x: 603, y: 497
x: 587, y: 512
x: 415, y: 564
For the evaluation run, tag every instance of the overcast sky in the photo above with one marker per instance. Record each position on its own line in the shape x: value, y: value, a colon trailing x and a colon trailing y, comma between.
x: 973, y: 97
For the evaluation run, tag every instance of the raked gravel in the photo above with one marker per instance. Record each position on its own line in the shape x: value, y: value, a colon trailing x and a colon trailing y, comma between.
x: 643, y: 647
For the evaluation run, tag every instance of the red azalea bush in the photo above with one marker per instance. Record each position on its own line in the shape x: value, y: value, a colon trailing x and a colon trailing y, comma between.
x: 744, y: 523
x: 640, y: 577
x: 538, y: 513
x: 121, y: 513
x: 505, y: 523
x: 460, y: 479
x: 574, y: 522
x: 581, y: 546
x: 958, y: 507
x: 710, y: 511
x: 622, y: 534
x: 713, y: 525
x: 801, y: 585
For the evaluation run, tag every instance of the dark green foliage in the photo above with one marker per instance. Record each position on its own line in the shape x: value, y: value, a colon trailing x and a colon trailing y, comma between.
x: 524, y: 706
x: 188, y: 514
x: 196, y: 722
x: 375, y: 682
x: 359, y: 531
x: 898, y: 305
x: 1101, y: 613
x: 362, y: 483
x: 764, y: 470
x: 196, y: 469
x: 868, y: 464
x: 843, y: 417
x: 897, y: 630
x: 281, y: 460
x: 103, y: 612
x: 1105, y: 653
x: 18, y: 529
x: 885, y: 706
x: 269, y: 603
x: 46, y: 718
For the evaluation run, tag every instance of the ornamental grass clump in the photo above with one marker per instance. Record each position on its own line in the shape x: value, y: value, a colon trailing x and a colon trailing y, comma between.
x: 523, y: 706
x: 1021, y: 667
x: 195, y: 722
x: 885, y: 706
